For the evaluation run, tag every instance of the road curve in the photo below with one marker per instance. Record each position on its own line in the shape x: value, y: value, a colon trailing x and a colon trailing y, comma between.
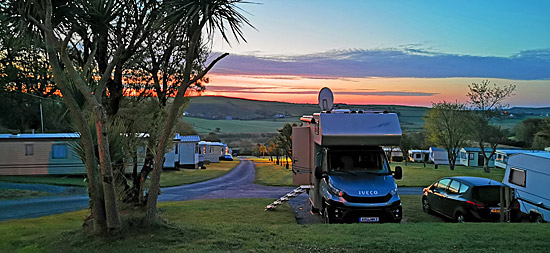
x: 238, y: 183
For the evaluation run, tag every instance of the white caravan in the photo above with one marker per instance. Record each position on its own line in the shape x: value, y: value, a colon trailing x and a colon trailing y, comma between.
x: 185, y: 152
x: 529, y: 175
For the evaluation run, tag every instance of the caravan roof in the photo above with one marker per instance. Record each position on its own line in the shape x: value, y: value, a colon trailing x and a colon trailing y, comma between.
x: 41, y: 136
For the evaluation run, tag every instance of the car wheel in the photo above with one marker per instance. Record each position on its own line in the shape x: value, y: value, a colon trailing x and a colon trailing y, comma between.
x: 460, y: 218
x: 426, y: 205
x: 326, y: 215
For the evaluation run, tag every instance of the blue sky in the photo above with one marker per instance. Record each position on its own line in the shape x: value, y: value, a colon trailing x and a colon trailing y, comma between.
x: 480, y: 28
x: 432, y: 48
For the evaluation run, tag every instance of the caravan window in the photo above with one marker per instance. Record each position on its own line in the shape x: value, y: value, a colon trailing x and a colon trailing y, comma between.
x: 29, y: 149
x: 59, y: 151
x: 517, y: 177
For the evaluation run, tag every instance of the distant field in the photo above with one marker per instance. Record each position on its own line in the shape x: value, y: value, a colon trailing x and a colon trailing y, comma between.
x: 236, y: 126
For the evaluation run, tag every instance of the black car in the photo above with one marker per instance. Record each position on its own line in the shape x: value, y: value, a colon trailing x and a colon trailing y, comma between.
x: 464, y: 198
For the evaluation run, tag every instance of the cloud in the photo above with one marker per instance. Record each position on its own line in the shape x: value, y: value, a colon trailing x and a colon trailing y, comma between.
x: 408, y: 61
x: 302, y: 91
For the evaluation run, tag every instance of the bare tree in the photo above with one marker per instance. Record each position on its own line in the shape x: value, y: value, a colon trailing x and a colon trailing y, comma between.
x: 486, y: 101
x: 446, y: 124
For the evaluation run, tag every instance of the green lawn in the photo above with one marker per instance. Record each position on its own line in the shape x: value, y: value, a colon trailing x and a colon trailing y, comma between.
x: 73, y: 180
x: 6, y: 194
x: 268, y: 173
x: 189, y: 176
x: 241, y: 225
x: 414, y: 174
x: 237, y: 126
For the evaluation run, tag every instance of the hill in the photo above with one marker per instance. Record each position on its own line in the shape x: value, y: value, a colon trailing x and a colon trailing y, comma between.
x: 207, y: 113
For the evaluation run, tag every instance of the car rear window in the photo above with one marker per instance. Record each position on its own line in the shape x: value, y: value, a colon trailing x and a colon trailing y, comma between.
x: 486, y: 193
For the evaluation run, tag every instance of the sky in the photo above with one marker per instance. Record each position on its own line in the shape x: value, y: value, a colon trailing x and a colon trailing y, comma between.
x: 387, y: 52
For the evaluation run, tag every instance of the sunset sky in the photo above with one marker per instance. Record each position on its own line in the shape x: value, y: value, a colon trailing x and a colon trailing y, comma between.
x: 387, y: 52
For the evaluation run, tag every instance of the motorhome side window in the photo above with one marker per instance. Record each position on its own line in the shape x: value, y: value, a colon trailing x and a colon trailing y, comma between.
x: 517, y: 177
x: 59, y: 151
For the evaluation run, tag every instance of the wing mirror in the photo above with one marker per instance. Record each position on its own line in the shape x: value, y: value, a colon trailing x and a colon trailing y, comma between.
x: 319, y: 172
x: 398, y: 173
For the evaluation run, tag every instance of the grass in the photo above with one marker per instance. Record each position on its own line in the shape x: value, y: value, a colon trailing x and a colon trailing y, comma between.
x: 168, y: 178
x: 73, y: 180
x: 237, y: 126
x: 189, y: 176
x: 6, y: 194
x: 269, y: 173
x: 414, y: 174
x: 242, y: 225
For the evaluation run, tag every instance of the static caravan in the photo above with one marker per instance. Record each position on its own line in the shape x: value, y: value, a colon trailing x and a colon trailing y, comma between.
x: 210, y: 152
x: 529, y: 175
x: 438, y: 156
x: 472, y: 157
x: 39, y: 154
x: 394, y: 154
x: 419, y: 156
x: 502, y: 155
x: 185, y: 152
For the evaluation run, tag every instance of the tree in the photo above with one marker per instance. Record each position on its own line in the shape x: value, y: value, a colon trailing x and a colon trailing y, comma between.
x: 284, y: 140
x: 542, y: 137
x: 405, y: 145
x: 212, y: 15
x: 90, y: 46
x: 487, y: 105
x: 446, y: 125
x: 213, y: 137
x: 263, y: 149
x: 526, y: 130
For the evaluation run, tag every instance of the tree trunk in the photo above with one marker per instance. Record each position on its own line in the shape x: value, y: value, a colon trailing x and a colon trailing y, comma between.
x: 154, y: 188
x: 109, y: 191
x: 94, y: 189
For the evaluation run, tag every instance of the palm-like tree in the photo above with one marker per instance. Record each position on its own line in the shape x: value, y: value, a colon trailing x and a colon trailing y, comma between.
x: 194, y: 16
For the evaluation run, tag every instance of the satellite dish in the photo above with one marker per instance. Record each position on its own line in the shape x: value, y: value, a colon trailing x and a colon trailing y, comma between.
x: 326, y: 99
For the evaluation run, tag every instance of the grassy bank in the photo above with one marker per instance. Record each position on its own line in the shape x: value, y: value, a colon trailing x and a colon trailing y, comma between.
x: 269, y: 173
x: 168, y: 178
x: 242, y: 225
x: 6, y: 194
x: 414, y: 174
x: 73, y: 180
x: 189, y: 176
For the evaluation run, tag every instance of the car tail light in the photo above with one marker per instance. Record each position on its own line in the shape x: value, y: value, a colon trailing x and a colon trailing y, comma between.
x: 477, y: 205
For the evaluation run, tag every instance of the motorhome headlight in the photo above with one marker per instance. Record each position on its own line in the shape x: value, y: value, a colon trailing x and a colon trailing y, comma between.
x: 335, y: 191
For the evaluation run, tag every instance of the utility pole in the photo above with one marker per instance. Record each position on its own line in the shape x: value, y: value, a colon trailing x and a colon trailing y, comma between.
x: 41, y: 116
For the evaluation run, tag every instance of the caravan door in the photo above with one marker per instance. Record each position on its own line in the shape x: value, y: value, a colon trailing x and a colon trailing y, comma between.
x: 301, y: 156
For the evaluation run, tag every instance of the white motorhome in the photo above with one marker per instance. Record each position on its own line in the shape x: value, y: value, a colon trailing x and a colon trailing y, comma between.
x: 185, y: 153
x: 529, y: 175
x: 337, y: 154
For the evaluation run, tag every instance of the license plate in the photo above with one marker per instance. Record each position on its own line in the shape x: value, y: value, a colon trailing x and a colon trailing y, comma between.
x: 369, y: 219
x: 495, y: 210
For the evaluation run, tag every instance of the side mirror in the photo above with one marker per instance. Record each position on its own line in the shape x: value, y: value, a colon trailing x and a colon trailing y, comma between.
x: 398, y: 173
x: 318, y: 172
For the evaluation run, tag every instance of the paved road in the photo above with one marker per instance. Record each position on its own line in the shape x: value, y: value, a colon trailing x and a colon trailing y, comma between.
x: 239, y: 183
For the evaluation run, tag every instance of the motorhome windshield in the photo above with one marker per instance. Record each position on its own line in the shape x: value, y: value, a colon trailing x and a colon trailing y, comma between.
x: 369, y: 161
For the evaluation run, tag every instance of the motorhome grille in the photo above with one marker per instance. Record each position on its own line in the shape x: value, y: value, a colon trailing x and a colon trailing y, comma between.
x: 353, y: 199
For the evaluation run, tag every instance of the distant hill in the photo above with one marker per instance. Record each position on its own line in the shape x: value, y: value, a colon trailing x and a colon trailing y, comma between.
x: 212, y: 107
x: 207, y: 113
